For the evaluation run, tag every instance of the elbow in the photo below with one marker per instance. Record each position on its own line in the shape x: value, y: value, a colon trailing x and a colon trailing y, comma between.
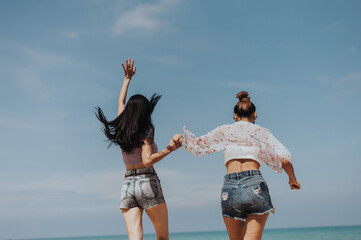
x: 286, y: 164
x: 147, y: 163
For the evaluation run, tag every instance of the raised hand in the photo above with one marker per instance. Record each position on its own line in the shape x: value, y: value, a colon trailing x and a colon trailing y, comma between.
x: 129, y: 68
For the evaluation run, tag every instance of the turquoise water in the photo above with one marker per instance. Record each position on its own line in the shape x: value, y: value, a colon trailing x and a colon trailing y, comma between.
x: 320, y: 233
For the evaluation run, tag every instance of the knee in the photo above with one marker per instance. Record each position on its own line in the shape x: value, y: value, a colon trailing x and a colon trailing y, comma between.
x: 135, y: 235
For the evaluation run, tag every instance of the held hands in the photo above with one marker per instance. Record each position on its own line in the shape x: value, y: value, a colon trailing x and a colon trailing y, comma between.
x: 175, y: 142
x: 129, y: 68
x: 294, y: 184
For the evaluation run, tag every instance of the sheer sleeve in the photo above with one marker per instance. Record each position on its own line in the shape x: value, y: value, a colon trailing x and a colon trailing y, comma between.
x: 282, y: 151
x: 208, y: 143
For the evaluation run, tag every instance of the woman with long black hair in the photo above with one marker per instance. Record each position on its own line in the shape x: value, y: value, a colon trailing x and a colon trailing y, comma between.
x: 133, y: 131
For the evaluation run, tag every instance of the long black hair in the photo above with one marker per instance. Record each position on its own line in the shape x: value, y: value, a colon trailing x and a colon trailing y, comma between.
x: 129, y: 129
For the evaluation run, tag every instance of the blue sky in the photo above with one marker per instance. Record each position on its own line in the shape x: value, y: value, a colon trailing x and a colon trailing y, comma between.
x: 299, y: 60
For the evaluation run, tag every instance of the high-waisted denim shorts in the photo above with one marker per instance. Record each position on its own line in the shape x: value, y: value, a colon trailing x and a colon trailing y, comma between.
x: 245, y: 193
x: 141, y: 188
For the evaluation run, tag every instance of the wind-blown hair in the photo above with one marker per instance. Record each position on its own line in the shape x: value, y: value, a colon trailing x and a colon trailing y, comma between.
x: 130, y: 128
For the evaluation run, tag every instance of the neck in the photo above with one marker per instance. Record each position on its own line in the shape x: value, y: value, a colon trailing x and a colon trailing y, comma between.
x: 251, y: 120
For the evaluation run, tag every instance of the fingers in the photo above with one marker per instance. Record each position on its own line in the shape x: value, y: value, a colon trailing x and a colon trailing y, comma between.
x: 177, y: 139
x: 295, y: 186
x: 129, y: 68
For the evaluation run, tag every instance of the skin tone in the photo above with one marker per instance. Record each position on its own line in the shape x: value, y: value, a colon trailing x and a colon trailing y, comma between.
x: 159, y: 214
x: 252, y: 228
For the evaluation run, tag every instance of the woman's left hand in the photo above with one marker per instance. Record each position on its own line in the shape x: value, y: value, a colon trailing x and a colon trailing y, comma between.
x: 294, y: 184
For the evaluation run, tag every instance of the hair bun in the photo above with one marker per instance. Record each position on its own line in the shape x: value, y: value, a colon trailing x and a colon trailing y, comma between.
x: 243, y: 96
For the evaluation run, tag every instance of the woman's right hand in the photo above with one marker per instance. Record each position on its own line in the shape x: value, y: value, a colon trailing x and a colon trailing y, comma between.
x: 178, y: 139
x: 129, y: 68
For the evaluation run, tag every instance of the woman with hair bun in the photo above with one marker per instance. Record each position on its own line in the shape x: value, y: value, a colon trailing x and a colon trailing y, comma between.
x: 245, y: 200
x: 132, y: 130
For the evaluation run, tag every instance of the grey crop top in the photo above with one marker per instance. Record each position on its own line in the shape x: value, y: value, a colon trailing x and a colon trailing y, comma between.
x: 136, y: 156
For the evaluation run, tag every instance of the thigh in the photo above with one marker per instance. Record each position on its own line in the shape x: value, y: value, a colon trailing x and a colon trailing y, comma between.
x: 235, y: 228
x: 159, y: 217
x: 254, y: 226
x: 133, y: 221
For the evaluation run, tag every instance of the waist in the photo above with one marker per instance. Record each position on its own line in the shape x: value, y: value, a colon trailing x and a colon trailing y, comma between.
x: 243, y: 174
x: 139, y: 171
x: 240, y: 165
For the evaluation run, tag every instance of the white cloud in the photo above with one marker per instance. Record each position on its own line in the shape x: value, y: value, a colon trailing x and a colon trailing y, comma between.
x: 72, y: 35
x: 354, y: 50
x: 169, y: 60
x: 244, y: 85
x: 41, y: 73
x: 101, y: 184
x: 334, y: 25
x: 30, y: 124
x: 345, y: 85
x: 32, y: 69
x: 188, y: 190
x: 145, y: 18
x: 351, y: 78
x: 323, y: 78
x: 101, y: 191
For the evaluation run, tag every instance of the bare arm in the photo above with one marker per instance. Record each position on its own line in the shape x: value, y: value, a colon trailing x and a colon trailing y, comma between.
x: 129, y: 71
x: 288, y: 167
x: 149, y: 158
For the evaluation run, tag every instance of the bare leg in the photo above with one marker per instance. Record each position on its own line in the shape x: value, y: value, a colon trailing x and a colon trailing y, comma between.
x: 235, y: 228
x: 159, y: 217
x: 133, y: 220
x: 254, y: 226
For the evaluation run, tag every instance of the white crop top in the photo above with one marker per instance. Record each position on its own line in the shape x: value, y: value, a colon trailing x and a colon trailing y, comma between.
x: 240, y: 140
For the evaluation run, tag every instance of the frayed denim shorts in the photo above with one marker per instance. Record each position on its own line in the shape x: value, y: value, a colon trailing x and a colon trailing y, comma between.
x: 245, y: 193
x: 141, y: 188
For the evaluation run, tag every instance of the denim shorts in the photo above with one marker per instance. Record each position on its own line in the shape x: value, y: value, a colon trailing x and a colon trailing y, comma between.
x: 245, y: 193
x: 141, y: 188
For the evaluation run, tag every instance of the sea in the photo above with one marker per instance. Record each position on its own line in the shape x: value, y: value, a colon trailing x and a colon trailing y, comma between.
x: 314, y: 233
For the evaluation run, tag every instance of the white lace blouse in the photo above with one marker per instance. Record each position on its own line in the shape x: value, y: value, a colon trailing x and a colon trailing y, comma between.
x: 240, y: 140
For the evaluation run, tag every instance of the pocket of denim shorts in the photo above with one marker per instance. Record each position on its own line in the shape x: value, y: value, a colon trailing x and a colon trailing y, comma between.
x: 150, y: 188
x: 259, y: 192
x: 227, y: 196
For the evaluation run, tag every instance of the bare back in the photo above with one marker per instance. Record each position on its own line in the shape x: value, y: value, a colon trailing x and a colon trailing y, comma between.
x: 239, y: 165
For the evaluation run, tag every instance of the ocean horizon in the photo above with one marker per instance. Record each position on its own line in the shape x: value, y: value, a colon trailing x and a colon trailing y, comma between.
x: 309, y: 233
